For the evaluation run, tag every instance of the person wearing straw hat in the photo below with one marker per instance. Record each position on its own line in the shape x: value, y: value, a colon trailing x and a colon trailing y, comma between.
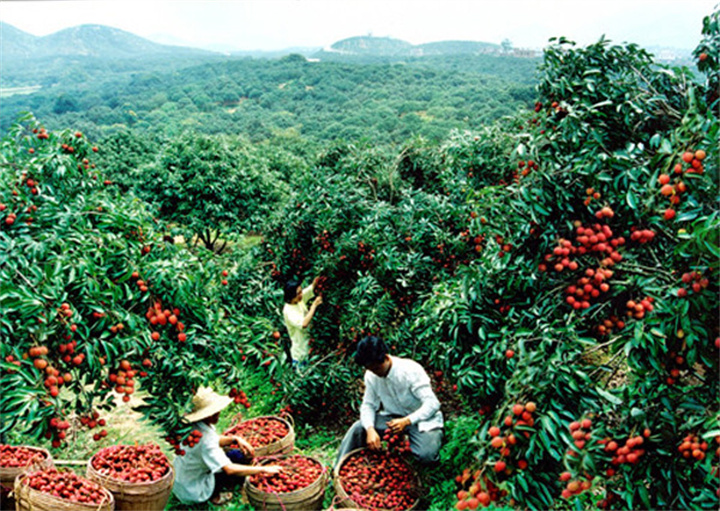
x: 206, y: 469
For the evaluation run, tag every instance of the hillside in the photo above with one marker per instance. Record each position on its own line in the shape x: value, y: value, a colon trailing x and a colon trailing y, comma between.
x: 387, y: 46
x: 387, y: 49
x: 367, y: 45
x: 457, y: 48
x: 16, y: 43
x: 263, y: 98
x: 86, y: 41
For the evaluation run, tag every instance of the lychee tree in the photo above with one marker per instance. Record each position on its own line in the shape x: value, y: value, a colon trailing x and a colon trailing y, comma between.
x: 610, y: 294
x: 95, y: 303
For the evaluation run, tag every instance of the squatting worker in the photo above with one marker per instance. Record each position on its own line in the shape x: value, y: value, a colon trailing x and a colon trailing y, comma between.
x: 398, y: 397
x: 297, y: 317
x: 206, y: 469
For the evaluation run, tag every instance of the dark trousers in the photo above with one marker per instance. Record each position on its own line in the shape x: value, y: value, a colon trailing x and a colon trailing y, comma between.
x: 224, y: 481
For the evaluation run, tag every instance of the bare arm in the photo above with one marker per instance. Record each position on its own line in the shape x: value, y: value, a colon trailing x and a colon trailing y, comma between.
x: 233, y: 469
x: 226, y: 440
x: 243, y: 444
x: 311, y: 312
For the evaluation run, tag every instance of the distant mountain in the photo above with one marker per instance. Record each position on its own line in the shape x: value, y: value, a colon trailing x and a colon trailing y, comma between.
x: 368, y: 45
x: 672, y: 55
x: 455, y: 48
x: 369, y: 48
x: 389, y: 49
x: 84, y: 40
x: 16, y: 43
x: 274, y: 54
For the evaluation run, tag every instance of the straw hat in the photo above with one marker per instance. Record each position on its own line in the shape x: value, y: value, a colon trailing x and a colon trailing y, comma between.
x: 206, y: 403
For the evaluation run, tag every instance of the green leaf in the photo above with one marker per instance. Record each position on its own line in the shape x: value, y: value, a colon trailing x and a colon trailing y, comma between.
x: 666, y: 147
x: 609, y: 397
x: 636, y: 413
x: 688, y: 216
x: 631, y: 200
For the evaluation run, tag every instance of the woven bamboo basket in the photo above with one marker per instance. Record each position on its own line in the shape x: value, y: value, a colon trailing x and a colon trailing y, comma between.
x: 29, y: 499
x: 346, y: 501
x: 309, y: 498
x: 283, y: 446
x: 8, y: 475
x: 148, y: 496
x: 337, y: 505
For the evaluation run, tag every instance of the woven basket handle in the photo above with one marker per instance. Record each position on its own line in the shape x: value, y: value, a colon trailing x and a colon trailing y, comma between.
x: 35, y: 463
x: 286, y: 415
x: 236, y: 419
x: 334, y: 502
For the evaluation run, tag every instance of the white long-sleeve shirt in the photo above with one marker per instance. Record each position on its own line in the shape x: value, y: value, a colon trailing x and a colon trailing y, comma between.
x: 404, y: 391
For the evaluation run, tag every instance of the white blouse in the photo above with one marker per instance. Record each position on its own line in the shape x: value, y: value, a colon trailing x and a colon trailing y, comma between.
x: 195, y: 471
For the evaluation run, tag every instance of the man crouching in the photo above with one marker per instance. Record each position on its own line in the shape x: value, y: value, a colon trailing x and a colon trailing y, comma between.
x: 398, y: 397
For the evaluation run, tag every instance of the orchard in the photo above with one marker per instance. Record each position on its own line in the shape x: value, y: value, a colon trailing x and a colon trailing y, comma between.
x: 556, y: 273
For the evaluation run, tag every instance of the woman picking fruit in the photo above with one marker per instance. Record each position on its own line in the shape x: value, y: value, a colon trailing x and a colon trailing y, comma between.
x: 297, y: 318
x: 206, y: 470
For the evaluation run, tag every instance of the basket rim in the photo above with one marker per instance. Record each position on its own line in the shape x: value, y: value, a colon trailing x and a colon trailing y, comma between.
x: 337, y: 479
x: 261, y: 450
x: 276, y: 417
x: 97, y: 473
x: 323, y: 475
x: 46, y: 452
x: 110, y: 502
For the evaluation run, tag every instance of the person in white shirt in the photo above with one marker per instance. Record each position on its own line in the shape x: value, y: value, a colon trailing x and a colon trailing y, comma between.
x: 398, y: 397
x: 297, y: 317
x: 206, y: 469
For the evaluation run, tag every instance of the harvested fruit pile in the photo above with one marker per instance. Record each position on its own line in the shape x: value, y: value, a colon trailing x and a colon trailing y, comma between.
x: 378, y: 480
x: 132, y: 463
x: 67, y: 485
x: 260, y: 431
x: 297, y: 472
x: 16, y: 456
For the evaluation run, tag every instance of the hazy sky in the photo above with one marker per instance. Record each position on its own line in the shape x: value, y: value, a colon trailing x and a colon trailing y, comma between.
x: 278, y: 24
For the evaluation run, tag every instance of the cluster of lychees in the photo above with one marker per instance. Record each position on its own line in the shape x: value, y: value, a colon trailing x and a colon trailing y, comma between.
x: 480, y: 492
x: 396, y: 442
x: 157, y: 316
x: 695, y: 282
x: 608, y: 325
x: 673, y: 191
x: 637, y: 309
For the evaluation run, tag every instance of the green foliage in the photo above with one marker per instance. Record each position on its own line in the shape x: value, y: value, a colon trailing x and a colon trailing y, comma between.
x: 533, y: 260
x: 707, y: 54
x: 262, y: 99
x: 210, y: 185
x: 496, y: 204
x: 67, y: 284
